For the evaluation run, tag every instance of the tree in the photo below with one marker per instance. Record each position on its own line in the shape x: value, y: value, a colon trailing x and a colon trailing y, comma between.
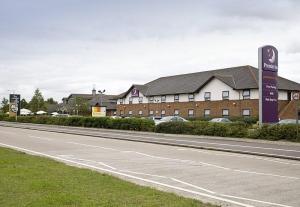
x: 4, y: 105
x: 24, y: 103
x: 51, y: 101
x: 37, y: 102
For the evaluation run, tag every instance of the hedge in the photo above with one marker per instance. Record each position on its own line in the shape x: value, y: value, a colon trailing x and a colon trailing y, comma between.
x: 204, y: 128
x: 103, y: 122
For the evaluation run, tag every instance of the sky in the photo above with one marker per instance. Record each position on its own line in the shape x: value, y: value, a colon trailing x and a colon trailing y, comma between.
x: 71, y: 46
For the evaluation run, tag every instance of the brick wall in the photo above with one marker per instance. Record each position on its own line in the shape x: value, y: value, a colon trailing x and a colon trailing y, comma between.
x: 235, y: 108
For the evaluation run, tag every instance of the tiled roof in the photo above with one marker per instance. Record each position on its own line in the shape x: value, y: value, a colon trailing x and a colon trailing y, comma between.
x: 242, y: 77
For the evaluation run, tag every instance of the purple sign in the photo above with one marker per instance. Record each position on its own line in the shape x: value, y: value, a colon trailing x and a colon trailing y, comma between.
x: 268, y: 91
x: 135, y: 92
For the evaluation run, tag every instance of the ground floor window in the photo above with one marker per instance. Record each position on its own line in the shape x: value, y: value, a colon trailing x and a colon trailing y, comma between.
x: 163, y: 113
x: 129, y: 112
x: 121, y: 113
x: 206, y: 112
x: 225, y: 112
x: 140, y: 112
x: 191, y: 112
x: 176, y: 112
x: 151, y: 113
x: 246, y: 112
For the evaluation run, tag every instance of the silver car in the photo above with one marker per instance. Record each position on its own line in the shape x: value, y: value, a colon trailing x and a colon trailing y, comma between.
x: 220, y: 120
x: 170, y: 119
x: 287, y: 121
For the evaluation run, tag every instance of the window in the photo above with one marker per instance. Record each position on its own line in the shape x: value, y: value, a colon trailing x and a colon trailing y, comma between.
x: 121, y: 113
x: 246, y: 112
x: 225, y: 112
x: 129, y: 112
x: 130, y: 100
x: 176, y: 98
x: 191, y: 112
x: 246, y: 94
x: 140, y: 99
x: 176, y: 112
x: 121, y: 101
x: 151, y: 99
x: 206, y: 112
x: 151, y: 113
x: 163, y: 99
x: 163, y: 113
x: 191, y: 97
x: 140, y: 112
x: 207, y: 96
x: 225, y: 95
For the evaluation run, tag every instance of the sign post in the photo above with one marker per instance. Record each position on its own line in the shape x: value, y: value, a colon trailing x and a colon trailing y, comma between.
x: 14, y: 105
x: 296, y: 98
x: 268, y: 91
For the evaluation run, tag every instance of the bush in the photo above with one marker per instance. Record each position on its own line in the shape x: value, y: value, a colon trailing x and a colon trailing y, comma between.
x: 204, y: 128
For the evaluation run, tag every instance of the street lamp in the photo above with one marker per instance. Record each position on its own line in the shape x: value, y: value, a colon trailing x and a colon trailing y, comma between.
x: 101, y: 92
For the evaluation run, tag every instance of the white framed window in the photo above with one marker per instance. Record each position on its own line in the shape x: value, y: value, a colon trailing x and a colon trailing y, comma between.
x: 176, y: 112
x: 130, y: 100
x: 140, y: 99
x: 225, y: 95
x: 246, y: 94
x: 191, y: 112
x: 207, y: 96
x: 163, y: 112
x: 225, y: 112
x: 151, y: 99
x: 246, y: 112
x: 121, y: 113
x: 151, y: 112
x: 163, y: 99
x: 206, y: 112
x: 121, y: 101
x: 140, y: 112
x: 191, y: 97
x: 176, y: 98
x: 129, y: 112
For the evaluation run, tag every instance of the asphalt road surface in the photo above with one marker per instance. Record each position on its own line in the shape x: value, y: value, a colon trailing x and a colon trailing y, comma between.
x: 224, y: 178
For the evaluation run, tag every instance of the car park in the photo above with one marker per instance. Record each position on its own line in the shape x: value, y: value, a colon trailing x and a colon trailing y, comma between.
x: 220, y: 120
x: 170, y: 119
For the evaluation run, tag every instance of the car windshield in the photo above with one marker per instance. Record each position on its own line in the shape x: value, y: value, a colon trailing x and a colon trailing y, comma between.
x: 167, y: 118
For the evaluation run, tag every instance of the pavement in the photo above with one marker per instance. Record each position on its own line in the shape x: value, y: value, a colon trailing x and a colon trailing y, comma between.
x: 223, y: 178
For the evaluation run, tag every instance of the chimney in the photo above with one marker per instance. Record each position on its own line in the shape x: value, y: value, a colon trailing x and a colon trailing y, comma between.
x: 94, y: 92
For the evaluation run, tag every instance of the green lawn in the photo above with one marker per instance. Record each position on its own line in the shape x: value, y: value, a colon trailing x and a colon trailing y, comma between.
x: 27, y: 180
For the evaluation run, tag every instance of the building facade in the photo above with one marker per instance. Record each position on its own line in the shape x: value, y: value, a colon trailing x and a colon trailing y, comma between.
x: 230, y: 92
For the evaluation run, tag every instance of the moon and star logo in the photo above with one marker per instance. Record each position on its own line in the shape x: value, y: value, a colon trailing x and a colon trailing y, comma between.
x: 271, y: 55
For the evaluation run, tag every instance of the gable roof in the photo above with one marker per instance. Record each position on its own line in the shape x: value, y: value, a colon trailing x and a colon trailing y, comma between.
x: 242, y: 77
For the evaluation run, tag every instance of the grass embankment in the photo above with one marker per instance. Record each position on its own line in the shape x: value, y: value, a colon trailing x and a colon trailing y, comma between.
x: 27, y: 180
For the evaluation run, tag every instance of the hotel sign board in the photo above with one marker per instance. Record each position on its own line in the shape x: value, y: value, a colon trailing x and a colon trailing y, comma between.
x: 14, y: 104
x: 135, y: 92
x: 268, y: 90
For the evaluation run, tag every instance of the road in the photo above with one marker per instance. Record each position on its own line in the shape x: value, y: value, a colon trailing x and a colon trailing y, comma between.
x: 224, y: 178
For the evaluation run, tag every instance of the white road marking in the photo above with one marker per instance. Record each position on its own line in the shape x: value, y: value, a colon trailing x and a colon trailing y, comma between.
x: 42, y: 138
x: 129, y: 176
x: 276, y: 160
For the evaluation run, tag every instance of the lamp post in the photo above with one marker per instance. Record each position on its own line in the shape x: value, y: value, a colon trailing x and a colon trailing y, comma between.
x: 101, y: 92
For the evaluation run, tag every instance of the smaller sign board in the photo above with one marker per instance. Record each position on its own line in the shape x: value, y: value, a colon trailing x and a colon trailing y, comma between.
x: 14, y: 104
x: 296, y: 96
x: 98, y: 111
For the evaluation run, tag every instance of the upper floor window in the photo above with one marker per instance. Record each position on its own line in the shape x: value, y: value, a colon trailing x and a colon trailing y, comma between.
x: 151, y: 99
x: 130, y: 100
x: 225, y: 95
x: 176, y: 98
x: 191, y: 97
x: 207, y: 96
x: 163, y: 99
x: 140, y: 99
x: 246, y: 94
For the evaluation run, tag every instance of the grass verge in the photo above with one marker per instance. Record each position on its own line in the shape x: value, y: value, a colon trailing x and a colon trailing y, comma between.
x: 27, y: 180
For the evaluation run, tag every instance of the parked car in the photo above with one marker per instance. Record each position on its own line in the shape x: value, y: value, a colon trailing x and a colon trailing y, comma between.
x: 220, y: 120
x: 61, y: 115
x: 170, y: 119
x: 287, y: 121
